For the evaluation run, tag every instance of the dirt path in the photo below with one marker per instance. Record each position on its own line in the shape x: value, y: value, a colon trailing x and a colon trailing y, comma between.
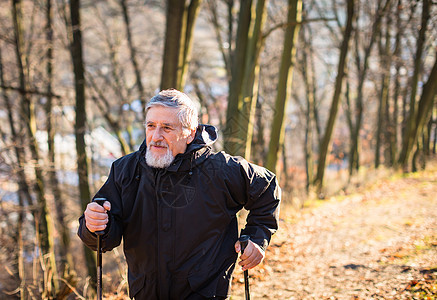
x: 380, y: 244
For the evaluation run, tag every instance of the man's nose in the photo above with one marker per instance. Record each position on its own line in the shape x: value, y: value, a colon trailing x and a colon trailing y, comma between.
x: 157, y: 134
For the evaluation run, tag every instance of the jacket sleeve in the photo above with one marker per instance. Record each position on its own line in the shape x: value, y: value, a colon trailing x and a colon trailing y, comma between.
x: 263, y: 200
x: 257, y: 189
x: 113, y: 232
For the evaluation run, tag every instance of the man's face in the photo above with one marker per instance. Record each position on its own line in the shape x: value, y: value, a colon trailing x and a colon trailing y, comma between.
x: 164, y: 134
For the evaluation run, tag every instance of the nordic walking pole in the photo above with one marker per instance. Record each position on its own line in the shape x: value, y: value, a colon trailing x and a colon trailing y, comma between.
x: 99, y: 234
x: 244, y: 240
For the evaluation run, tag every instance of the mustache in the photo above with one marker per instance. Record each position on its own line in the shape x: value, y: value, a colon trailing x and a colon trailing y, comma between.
x: 159, y: 144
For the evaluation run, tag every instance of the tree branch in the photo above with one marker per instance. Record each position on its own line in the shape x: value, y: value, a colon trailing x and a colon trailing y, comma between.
x: 29, y: 91
x: 284, y: 25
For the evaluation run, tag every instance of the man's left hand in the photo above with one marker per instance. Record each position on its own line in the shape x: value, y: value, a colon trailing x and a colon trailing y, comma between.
x: 252, y: 256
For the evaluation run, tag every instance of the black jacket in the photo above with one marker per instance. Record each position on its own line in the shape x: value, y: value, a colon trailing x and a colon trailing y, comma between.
x: 179, y: 224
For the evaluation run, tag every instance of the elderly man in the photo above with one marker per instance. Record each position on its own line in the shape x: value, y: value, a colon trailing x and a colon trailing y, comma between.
x: 174, y: 203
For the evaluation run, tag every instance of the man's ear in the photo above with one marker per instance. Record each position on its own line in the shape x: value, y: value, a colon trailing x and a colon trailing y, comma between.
x: 191, y: 136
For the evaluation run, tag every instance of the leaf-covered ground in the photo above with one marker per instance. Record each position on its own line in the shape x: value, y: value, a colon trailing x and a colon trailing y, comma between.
x: 378, y: 243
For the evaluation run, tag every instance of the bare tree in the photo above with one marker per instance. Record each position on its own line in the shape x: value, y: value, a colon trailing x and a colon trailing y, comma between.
x: 397, y: 53
x: 81, y: 121
x: 181, y: 17
x: 284, y: 84
x: 224, y: 34
x: 424, y: 109
x: 243, y: 87
x: 237, y: 68
x: 43, y: 220
x: 306, y: 64
x: 249, y: 96
x: 24, y: 196
x: 362, y: 64
x: 66, y: 268
x: 133, y: 54
x: 409, y: 134
x: 383, y: 123
x: 114, y: 81
x: 318, y: 182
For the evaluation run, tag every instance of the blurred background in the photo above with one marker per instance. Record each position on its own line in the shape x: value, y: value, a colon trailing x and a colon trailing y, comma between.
x: 324, y: 93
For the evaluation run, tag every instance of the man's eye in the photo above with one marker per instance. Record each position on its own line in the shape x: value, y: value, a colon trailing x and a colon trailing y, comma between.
x: 150, y: 126
x: 167, y: 128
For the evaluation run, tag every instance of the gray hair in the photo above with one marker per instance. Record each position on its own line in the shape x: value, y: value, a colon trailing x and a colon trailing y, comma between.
x: 187, y: 115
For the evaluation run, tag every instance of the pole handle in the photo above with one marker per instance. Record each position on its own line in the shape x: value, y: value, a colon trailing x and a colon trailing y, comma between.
x: 244, y: 240
x: 99, y: 201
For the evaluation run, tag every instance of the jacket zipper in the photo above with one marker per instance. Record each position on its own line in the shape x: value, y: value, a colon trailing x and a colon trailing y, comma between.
x: 158, y: 229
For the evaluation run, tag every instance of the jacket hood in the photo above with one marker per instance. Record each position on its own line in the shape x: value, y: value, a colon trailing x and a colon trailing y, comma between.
x: 206, y: 135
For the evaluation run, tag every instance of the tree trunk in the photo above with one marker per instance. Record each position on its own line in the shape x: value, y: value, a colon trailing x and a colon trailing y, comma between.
x: 409, y: 135
x: 427, y: 138
x: 23, y: 188
x: 354, y: 156
x: 434, y: 144
x: 390, y: 128
x: 397, y: 53
x: 363, y: 67
x: 238, y: 65
x: 43, y: 219
x: 66, y: 268
x: 258, y: 140
x: 191, y: 15
x: 244, y: 73
x: 178, y: 39
x: 424, y: 109
x: 284, y: 83
x: 381, y: 121
x: 80, y: 124
x: 173, y: 43
x: 308, y: 76
x: 384, y: 123
x: 249, y: 94
x: 336, y: 97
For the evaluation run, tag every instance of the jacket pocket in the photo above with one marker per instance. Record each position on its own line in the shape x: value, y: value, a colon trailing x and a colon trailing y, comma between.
x: 213, y: 281
x: 204, y: 282
x: 136, y: 284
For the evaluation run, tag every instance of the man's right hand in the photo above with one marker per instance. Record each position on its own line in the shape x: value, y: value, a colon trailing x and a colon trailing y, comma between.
x: 96, y: 217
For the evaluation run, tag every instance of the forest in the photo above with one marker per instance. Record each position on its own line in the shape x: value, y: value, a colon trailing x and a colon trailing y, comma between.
x: 319, y: 92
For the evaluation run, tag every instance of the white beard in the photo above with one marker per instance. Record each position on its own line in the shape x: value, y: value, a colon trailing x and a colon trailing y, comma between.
x: 159, y: 162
